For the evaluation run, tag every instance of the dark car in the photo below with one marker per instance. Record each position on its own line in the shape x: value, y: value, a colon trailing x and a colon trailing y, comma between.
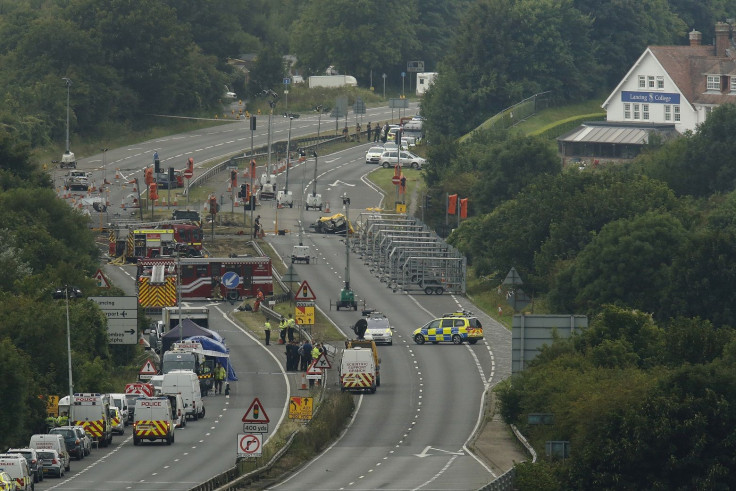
x: 34, y: 465
x: 74, y: 445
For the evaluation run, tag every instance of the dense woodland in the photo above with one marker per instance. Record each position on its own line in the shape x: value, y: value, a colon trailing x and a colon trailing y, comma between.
x: 645, y: 395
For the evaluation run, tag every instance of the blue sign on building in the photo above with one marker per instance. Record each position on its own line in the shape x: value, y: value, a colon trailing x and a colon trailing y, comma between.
x: 650, y: 97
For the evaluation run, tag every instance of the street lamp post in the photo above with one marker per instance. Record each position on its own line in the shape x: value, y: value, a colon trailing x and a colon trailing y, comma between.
x: 68, y: 85
x: 104, y: 165
x: 288, y: 154
x: 58, y: 294
x: 384, y: 86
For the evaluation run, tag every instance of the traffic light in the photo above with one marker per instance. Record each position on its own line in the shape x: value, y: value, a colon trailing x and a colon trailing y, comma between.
x: 213, y: 205
x: 171, y: 174
x: 427, y: 201
x: 252, y: 123
x: 234, y: 178
x: 243, y: 193
x: 153, y: 191
x: 157, y: 166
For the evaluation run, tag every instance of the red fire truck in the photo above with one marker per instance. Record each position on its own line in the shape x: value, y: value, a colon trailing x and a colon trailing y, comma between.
x: 231, y: 278
x: 155, y: 239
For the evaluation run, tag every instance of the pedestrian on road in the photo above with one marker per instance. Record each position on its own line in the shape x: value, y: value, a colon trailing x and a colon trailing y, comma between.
x: 384, y: 133
x: 267, y: 331
x: 368, y: 130
x: 357, y: 132
x: 220, y: 375
x: 306, y: 357
x: 292, y: 357
x: 376, y: 133
x: 290, y: 326
x: 282, y: 334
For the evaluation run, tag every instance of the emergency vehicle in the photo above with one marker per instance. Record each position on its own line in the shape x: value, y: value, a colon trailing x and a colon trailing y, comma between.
x: 153, y: 420
x: 358, y: 370
x: 92, y: 412
x: 16, y: 466
x: 201, y: 278
x: 140, y: 240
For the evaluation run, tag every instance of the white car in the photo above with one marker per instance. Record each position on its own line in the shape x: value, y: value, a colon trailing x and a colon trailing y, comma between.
x: 373, y: 155
x: 391, y: 158
x: 379, y: 329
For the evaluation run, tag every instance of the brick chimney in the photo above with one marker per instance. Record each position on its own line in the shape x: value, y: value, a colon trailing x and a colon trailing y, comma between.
x: 695, y: 37
x: 723, y: 34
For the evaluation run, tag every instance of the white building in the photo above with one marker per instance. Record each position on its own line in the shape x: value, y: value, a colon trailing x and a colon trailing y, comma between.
x: 669, y: 90
x: 424, y: 79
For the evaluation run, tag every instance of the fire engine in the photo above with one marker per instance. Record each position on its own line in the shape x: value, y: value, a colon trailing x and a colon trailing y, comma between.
x: 153, y: 239
x: 201, y: 278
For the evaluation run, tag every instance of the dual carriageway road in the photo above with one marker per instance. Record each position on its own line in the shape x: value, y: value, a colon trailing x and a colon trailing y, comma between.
x: 411, y: 434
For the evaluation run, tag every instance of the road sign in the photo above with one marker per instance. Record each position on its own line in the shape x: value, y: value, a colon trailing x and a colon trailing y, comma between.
x: 255, y: 427
x: 139, y: 389
x: 304, y: 313
x: 359, y: 106
x: 287, y: 81
x: 231, y: 280
x: 322, y: 361
x: 305, y: 292
x: 122, y: 318
x: 148, y: 369
x: 256, y: 413
x: 101, y: 279
x: 250, y: 445
x: 188, y: 173
x: 300, y: 408
x: 314, y: 373
x: 396, y: 180
x: 415, y: 66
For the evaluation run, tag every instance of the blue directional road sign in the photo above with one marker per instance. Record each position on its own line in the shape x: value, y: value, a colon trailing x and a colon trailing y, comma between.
x: 231, y: 280
x: 287, y: 81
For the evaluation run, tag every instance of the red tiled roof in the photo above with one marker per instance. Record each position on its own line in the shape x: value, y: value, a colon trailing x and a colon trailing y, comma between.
x: 688, y: 67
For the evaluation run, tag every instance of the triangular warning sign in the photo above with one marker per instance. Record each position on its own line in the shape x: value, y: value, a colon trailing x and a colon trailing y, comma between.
x: 313, y: 370
x: 256, y: 413
x: 148, y: 369
x: 305, y: 292
x: 101, y: 279
x: 322, y: 361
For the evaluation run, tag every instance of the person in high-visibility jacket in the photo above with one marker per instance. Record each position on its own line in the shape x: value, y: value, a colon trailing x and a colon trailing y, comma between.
x: 316, y: 351
x: 290, y: 326
x: 220, y: 375
x: 282, y: 334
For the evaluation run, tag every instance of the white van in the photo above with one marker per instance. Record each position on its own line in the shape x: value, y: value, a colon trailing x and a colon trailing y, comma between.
x: 53, y: 441
x: 153, y: 420
x: 178, y: 410
x: 358, y: 370
x: 186, y: 383
x: 121, y: 403
x: 16, y: 466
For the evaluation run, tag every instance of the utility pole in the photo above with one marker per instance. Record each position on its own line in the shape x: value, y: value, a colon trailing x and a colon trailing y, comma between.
x: 68, y: 85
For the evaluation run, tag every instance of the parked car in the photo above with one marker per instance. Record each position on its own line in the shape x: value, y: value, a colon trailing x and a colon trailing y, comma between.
x: 74, y: 444
x: 379, y: 329
x: 86, y: 440
x: 373, y: 155
x: 51, y: 462
x: 34, y: 465
x: 118, y: 423
x: 391, y: 158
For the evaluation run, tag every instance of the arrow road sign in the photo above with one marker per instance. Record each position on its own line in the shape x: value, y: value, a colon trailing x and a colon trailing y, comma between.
x: 122, y: 318
x: 231, y: 280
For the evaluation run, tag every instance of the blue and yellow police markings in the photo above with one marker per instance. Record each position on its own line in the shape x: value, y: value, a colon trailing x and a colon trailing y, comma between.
x: 304, y: 313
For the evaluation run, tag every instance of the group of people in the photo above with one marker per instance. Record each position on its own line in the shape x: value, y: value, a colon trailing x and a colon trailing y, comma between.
x: 299, y: 356
x: 287, y: 326
x: 374, y: 133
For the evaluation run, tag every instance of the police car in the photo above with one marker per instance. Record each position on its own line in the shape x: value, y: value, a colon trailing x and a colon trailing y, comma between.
x: 455, y: 327
x: 379, y: 329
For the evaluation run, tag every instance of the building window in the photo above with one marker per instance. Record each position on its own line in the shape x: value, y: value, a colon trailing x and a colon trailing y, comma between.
x: 627, y: 111
x: 677, y: 112
x: 733, y: 84
x: 660, y: 82
x: 713, y: 83
x: 668, y: 112
x: 645, y: 111
x: 637, y: 112
x: 642, y: 82
x: 650, y: 80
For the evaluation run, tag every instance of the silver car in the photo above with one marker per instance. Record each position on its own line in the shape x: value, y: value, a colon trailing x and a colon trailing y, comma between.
x: 373, y: 155
x: 52, y: 462
x: 391, y: 158
x: 379, y: 329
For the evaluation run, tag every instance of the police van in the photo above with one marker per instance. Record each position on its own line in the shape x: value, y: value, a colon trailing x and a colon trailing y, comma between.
x: 16, y: 466
x: 153, y: 420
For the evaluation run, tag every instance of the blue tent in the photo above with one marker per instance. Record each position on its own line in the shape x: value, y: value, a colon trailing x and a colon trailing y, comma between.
x: 186, y: 329
x: 213, y: 346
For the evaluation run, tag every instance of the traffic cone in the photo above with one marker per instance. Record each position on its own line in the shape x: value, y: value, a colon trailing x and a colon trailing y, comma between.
x: 327, y: 206
x: 117, y: 173
x: 304, y: 381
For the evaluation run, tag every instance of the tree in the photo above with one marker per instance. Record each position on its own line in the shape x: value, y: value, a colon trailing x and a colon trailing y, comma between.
x: 628, y: 263
x: 267, y: 73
